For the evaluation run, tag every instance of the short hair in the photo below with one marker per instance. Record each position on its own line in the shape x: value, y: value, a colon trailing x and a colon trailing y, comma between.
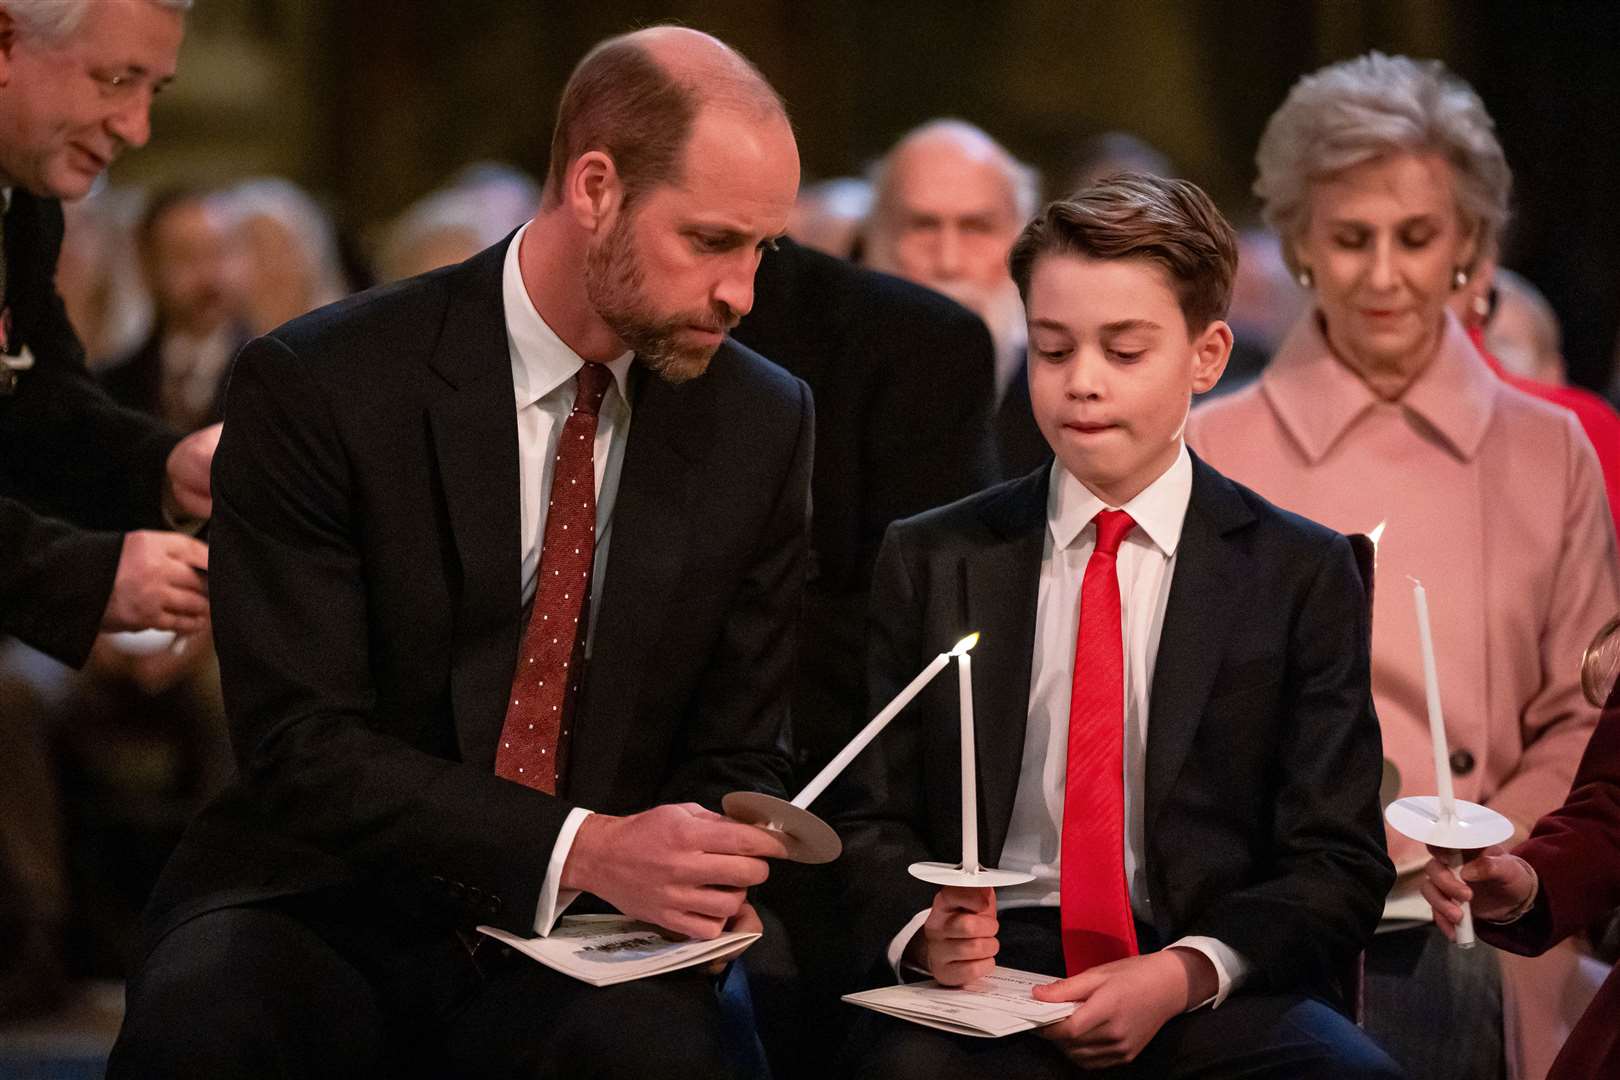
x: 1023, y: 181
x: 54, y: 21
x: 622, y: 101
x: 1372, y: 107
x: 1170, y: 223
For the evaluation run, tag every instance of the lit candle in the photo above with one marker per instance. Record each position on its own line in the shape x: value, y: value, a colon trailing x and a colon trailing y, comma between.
x: 838, y: 764
x: 970, y: 795
x: 1437, y: 724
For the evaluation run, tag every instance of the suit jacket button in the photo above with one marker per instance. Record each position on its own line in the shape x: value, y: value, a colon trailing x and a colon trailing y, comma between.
x: 1462, y: 762
x: 493, y: 905
x: 475, y: 895
x: 438, y: 880
x: 457, y: 889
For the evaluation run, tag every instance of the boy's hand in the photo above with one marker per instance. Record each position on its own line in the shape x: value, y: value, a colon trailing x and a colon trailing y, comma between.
x: 1125, y: 1003
x: 958, y: 942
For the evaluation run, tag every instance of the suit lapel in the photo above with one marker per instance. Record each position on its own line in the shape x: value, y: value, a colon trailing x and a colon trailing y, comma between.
x: 669, y: 429
x: 1001, y: 583
x: 474, y: 432
x: 1206, y: 590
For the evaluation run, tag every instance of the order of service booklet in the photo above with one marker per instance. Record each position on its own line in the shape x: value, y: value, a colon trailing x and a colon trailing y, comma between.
x: 607, y: 949
x: 996, y: 1005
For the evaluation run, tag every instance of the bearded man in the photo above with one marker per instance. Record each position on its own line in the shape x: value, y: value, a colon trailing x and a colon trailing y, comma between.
x: 506, y: 561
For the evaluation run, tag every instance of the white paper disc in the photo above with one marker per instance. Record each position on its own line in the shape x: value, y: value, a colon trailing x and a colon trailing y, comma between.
x: 808, y: 839
x: 1475, y: 826
x: 986, y: 877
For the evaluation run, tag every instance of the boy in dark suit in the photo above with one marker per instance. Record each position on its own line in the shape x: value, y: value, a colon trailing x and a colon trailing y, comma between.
x: 1175, y: 732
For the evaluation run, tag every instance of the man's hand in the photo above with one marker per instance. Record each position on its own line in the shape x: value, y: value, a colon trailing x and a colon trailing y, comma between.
x: 160, y: 585
x: 746, y: 921
x: 958, y: 942
x: 186, y: 490
x: 1498, y: 885
x: 1125, y: 1003
x: 681, y: 867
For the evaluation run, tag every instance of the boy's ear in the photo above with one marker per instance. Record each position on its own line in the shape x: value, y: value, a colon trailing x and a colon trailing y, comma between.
x: 1211, y: 350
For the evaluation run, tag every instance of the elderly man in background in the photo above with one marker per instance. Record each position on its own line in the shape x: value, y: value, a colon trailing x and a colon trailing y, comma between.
x: 948, y: 202
x: 76, y: 85
x: 178, y: 373
x: 1385, y: 180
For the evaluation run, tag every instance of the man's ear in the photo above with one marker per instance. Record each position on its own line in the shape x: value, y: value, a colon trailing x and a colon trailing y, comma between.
x: 592, y: 190
x: 1211, y: 350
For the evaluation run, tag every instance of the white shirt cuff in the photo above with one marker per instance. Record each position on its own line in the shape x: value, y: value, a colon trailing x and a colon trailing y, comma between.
x: 897, y: 945
x: 554, y: 899
x: 1231, y: 969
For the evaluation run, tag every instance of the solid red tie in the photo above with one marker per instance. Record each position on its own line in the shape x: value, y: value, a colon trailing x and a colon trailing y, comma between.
x: 1096, y: 919
x: 534, y: 738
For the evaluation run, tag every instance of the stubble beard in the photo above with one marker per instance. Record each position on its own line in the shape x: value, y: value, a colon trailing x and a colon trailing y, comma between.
x: 615, y: 285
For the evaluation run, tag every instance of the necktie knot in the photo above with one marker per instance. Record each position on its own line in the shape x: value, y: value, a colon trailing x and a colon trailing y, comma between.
x: 593, y: 381
x: 1112, y: 527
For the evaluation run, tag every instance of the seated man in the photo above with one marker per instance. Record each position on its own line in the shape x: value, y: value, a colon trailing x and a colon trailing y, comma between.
x: 507, y: 560
x: 1175, y: 734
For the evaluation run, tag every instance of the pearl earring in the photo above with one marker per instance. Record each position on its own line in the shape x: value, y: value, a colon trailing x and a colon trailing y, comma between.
x: 1306, y: 279
x: 1459, y: 278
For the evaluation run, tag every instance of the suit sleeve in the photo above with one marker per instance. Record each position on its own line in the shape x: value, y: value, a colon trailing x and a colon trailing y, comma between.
x: 738, y: 739
x: 1329, y: 872
x: 54, y: 588
x: 929, y: 437
x: 878, y: 805
x: 1556, y: 723
x: 1576, y: 853
x: 292, y: 629
x: 69, y: 450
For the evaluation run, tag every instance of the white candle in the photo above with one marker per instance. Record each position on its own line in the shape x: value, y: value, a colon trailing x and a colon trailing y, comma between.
x: 1437, y: 724
x: 970, y: 795
x: 838, y: 764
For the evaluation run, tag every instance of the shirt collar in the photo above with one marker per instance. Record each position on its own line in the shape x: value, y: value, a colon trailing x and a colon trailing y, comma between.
x: 1318, y: 399
x: 1159, y: 510
x: 541, y: 362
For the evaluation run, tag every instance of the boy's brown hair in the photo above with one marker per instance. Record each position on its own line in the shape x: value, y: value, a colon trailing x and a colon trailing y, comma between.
x: 1137, y: 216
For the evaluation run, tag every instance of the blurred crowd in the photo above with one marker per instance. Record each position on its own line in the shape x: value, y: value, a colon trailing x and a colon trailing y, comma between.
x: 163, y: 286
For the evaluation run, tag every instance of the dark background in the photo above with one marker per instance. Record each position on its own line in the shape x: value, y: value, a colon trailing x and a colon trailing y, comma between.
x: 371, y: 103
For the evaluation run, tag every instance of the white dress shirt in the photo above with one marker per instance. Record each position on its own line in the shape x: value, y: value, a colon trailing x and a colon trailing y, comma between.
x: 543, y: 386
x: 1146, y: 565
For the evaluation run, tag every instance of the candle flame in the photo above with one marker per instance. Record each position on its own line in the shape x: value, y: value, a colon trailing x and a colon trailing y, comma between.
x: 1414, y: 581
x: 1375, y: 534
x: 966, y: 644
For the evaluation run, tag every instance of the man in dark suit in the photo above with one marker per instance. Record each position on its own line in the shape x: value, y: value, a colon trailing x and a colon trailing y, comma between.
x: 77, y: 472
x: 948, y: 201
x: 178, y: 373
x: 1174, y: 734
x: 902, y: 378
x: 1561, y: 881
x: 460, y: 696
x: 70, y: 455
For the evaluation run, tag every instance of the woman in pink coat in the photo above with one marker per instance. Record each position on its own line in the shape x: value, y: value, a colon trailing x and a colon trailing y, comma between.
x: 1382, y: 175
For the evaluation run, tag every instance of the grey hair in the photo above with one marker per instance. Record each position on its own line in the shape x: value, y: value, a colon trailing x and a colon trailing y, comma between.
x: 1023, y: 181
x: 289, y: 206
x: 54, y: 21
x: 1371, y: 107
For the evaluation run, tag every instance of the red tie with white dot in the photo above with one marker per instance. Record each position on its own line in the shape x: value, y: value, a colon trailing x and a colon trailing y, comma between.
x: 534, y: 738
